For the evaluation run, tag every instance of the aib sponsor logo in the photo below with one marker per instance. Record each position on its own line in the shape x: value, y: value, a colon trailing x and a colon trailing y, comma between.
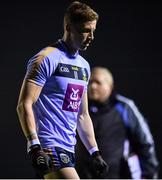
x: 72, y: 98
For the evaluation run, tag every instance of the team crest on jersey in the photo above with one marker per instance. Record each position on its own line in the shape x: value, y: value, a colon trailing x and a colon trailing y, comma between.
x: 84, y: 74
x: 72, y: 98
x: 64, y: 158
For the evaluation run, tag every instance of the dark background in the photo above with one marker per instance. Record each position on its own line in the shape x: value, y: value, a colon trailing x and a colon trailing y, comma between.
x: 127, y: 41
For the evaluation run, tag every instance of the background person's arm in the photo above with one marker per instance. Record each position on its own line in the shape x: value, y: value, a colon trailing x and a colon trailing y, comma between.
x: 143, y: 142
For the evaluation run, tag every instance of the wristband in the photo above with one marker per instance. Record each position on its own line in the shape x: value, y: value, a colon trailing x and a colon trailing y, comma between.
x: 31, y: 143
x: 92, y: 150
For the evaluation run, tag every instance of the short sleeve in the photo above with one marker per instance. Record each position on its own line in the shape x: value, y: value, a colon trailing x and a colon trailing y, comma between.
x: 41, y: 66
x: 39, y: 69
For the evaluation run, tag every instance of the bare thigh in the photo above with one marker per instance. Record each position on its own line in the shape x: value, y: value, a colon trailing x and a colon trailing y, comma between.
x: 64, y: 173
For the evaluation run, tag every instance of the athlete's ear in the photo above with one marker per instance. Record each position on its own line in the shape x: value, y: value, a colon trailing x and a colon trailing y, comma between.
x: 68, y: 27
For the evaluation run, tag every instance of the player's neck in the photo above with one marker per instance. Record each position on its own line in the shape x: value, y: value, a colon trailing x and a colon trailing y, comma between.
x: 70, y: 46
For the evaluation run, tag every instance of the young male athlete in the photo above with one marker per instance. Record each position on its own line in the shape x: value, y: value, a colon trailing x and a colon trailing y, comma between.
x: 53, y: 99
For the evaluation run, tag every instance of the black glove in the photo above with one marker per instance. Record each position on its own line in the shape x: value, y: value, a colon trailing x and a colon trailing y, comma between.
x: 99, y: 164
x: 40, y: 160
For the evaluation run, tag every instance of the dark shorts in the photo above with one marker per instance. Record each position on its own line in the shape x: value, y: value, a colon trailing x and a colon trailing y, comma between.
x: 60, y: 158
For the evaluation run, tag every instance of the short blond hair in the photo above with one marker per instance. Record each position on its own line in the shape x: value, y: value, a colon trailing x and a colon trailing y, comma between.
x: 79, y: 12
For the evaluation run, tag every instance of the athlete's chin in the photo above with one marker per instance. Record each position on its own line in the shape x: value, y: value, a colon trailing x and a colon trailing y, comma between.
x: 83, y: 48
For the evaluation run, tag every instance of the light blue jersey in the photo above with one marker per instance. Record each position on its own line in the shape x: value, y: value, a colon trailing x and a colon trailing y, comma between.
x: 64, y: 80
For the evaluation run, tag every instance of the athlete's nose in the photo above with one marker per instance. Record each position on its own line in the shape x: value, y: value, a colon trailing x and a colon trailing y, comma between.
x: 91, y: 35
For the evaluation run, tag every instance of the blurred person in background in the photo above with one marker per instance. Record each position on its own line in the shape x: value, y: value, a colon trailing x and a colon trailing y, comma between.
x: 121, y: 131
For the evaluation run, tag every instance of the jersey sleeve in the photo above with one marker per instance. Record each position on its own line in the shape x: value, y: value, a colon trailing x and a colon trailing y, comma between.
x: 40, y: 68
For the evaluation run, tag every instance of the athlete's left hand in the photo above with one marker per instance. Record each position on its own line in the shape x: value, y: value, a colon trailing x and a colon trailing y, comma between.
x: 99, y: 164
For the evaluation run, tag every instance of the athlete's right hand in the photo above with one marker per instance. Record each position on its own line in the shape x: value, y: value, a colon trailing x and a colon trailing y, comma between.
x: 40, y: 160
